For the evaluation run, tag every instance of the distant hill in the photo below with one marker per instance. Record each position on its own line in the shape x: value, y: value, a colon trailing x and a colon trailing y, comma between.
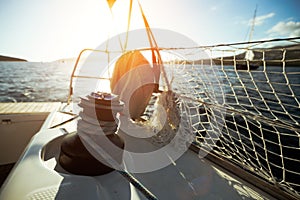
x: 273, y: 56
x: 7, y: 58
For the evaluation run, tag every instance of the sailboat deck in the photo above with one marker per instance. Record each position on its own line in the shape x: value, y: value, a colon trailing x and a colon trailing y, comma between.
x: 28, y: 107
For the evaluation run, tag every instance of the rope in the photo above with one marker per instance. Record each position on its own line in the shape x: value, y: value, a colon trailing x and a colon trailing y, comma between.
x: 138, y: 185
x: 128, y: 25
x: 154, y: 46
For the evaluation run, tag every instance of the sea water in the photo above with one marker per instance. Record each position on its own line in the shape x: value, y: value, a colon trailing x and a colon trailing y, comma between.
x: 49, y: 82
x: 37, y: 81
x: 34, y: 81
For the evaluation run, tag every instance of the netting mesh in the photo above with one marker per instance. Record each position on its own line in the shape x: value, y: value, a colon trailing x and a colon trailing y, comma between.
x: 245, y: 111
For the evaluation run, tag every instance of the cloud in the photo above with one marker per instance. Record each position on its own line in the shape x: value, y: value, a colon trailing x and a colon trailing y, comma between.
x: 259, y: 20
x: 290, y: 29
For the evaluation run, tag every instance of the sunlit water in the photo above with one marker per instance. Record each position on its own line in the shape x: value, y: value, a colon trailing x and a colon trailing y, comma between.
x: 42, y: 82
x: 34, y: 82
x: 38, y: 82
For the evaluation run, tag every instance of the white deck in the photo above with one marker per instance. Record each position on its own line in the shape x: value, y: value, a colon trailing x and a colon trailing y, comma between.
x: 38, y: 175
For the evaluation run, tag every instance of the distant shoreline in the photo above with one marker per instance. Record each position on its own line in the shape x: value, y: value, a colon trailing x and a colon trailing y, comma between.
x: 11, y: 59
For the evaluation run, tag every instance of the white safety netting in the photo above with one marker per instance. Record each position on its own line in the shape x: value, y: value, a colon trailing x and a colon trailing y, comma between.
x: 246, y: 111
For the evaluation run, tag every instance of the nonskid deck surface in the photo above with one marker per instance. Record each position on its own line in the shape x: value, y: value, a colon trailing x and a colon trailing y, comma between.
x: 186, y: 178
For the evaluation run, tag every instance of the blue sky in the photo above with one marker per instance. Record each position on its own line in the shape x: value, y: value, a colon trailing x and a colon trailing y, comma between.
x: 53, y: 29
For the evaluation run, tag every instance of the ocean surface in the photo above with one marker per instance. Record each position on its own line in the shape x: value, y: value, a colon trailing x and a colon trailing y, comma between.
x: 37, y: 81
x: 34, y: 81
